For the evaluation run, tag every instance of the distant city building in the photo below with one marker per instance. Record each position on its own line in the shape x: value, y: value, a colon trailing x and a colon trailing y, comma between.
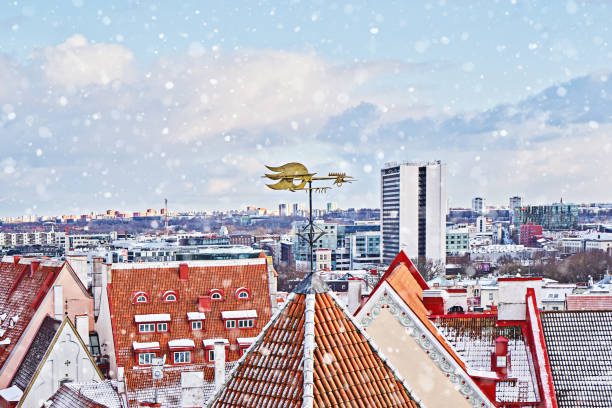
x: 457, y: 241
x: 529, y: 234
x: 593, y: 241
x: 558, y: 216
x: 328, y: 239
x: 332, y: 207
x: 515, y: 202
x: 413, y: 217
x: 297, y: 210
x: 478, y: 205
x: 283, y: 210
x: 241, y: 239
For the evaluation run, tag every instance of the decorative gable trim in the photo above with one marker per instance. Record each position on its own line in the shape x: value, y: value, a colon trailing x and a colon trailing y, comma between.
x: 386, y: 298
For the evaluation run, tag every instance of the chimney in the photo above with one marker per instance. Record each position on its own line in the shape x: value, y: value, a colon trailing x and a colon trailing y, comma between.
x: 183, y: 272
x: 435, y: 301
x: 204, y: 304
x: 192, y: 389
x: 512, y: 292
x: 16, y: 259
x: 219, y: 364
x: 500, y: 360
x: 34, y: 266
x: 354, y: 294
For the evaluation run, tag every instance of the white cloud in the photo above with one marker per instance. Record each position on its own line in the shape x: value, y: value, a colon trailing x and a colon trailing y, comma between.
x: 78, y: 62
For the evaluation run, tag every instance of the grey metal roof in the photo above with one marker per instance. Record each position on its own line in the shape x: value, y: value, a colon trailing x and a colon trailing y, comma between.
x: 579, y: 345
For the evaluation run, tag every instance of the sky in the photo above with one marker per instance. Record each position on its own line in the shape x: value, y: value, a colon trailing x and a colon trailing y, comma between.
x: 121, y: 104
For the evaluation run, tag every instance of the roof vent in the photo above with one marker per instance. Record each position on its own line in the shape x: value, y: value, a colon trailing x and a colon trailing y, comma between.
x: 500, y: 360
x: 34, y: 266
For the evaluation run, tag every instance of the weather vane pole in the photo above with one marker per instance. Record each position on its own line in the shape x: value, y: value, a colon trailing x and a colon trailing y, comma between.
x: 294, y: 177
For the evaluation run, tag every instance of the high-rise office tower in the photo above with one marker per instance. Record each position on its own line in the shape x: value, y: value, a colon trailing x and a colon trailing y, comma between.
x: 282, y: 210
x: 413, y: 210
x: 478, y: 205
x: 515, y: 202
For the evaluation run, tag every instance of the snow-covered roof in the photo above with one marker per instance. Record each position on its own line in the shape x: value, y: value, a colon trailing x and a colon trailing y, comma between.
x: 246, y: 340
x: 180, y: 343
x: 211, y: 342
x: 239, y: 314
x: 11, y: 394
x: 145, y: 346
x: 195, y: 316
x: 159, y: 317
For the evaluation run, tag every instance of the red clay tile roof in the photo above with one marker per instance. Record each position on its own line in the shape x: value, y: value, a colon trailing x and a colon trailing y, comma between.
x: 407, y: 282
x: 347, y: 370
x: 20, y: 295
x: 202, y: 277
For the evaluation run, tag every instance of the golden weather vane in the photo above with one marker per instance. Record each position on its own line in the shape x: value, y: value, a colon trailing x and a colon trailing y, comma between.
x: 295, y: 176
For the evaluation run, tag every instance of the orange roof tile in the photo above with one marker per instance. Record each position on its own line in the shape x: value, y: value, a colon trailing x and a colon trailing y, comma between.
x: 407, y: 282
x: 154, y: 280
x: 346, y: 369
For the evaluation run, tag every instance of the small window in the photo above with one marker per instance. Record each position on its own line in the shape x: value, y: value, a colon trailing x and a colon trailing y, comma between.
x: 145, y: 358
x: 490, y: 296
x: 243, y: 294
x: 146, y: 327
x: 182, y: 357
x: 245, y: 323
x: 196, y: 325
x: 140, y: 297
x: 169, y: 296
x: 211, y: 355
x: 64, y: 381
x: 230, y: 324
x: 216, y: 294
x: 162, y: 327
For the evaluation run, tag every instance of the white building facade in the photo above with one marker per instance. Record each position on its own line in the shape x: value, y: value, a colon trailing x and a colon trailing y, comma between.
x: 413, y: 210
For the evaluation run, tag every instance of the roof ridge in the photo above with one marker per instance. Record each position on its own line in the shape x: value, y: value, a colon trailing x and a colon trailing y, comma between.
x: 309, y: 347
x: 376, y: 349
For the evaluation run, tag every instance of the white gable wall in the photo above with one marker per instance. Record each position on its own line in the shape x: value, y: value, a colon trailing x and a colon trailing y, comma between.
x: 68, y: 359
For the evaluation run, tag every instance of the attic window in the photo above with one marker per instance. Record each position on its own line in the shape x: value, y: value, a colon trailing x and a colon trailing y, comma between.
x: 140, y: 297
x: 216, y: 294
x: 169, y: 296
x: 242, y: 293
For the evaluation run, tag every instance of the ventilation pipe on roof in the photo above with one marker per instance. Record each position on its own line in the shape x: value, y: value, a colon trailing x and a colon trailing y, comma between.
x: 34, y: 266
x: 354, y: 294
x: 219, y: 364
x: 500, y: 358
x: 16, y: 259
x: 183, y: 272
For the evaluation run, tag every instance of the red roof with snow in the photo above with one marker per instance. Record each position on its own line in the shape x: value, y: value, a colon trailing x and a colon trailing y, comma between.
x: 24, y: 285
x: 241, y: 287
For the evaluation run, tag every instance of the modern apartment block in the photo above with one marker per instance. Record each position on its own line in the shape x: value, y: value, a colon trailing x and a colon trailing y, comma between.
x: 558, y: 216
x: 478, y: 205
x: 413, y: 217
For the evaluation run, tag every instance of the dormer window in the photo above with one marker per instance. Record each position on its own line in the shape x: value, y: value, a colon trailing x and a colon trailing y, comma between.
x: 216, y: 294
x: 140, y: 297
x: 169, y: 296
x: 242, y: 293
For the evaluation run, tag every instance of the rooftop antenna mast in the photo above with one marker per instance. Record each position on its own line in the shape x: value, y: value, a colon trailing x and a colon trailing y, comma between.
x: 166, y: 216
x: 294, y: 177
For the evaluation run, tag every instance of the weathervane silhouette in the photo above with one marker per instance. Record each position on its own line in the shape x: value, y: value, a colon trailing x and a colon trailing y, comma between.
x: 294, y: 177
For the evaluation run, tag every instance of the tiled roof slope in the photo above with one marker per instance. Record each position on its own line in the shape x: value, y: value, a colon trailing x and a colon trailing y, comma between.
x: 89, y: 395
x: 312, y: 354
x: 579, y: 345
x: 473, y: 338
x: 141, y: 387
x: 36, y: 352
x: 202, y: 277
x: 588, y: 302
x: 407, y: 282
x: 18, y: 295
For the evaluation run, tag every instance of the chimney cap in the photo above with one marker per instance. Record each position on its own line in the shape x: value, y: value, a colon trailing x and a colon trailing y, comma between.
x: 501, y: 339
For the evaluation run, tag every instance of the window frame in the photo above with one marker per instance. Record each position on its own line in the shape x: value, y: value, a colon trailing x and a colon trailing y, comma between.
x: 201, y: 324
x: 158, y: 330
x: 152, y: 325
x: 136, y: 297
x: 246, y: 323
x: 146, y: 353
x: 170, y: 293
x: 218, y: 293
x: 230, y: 324
x: 185, y: 353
